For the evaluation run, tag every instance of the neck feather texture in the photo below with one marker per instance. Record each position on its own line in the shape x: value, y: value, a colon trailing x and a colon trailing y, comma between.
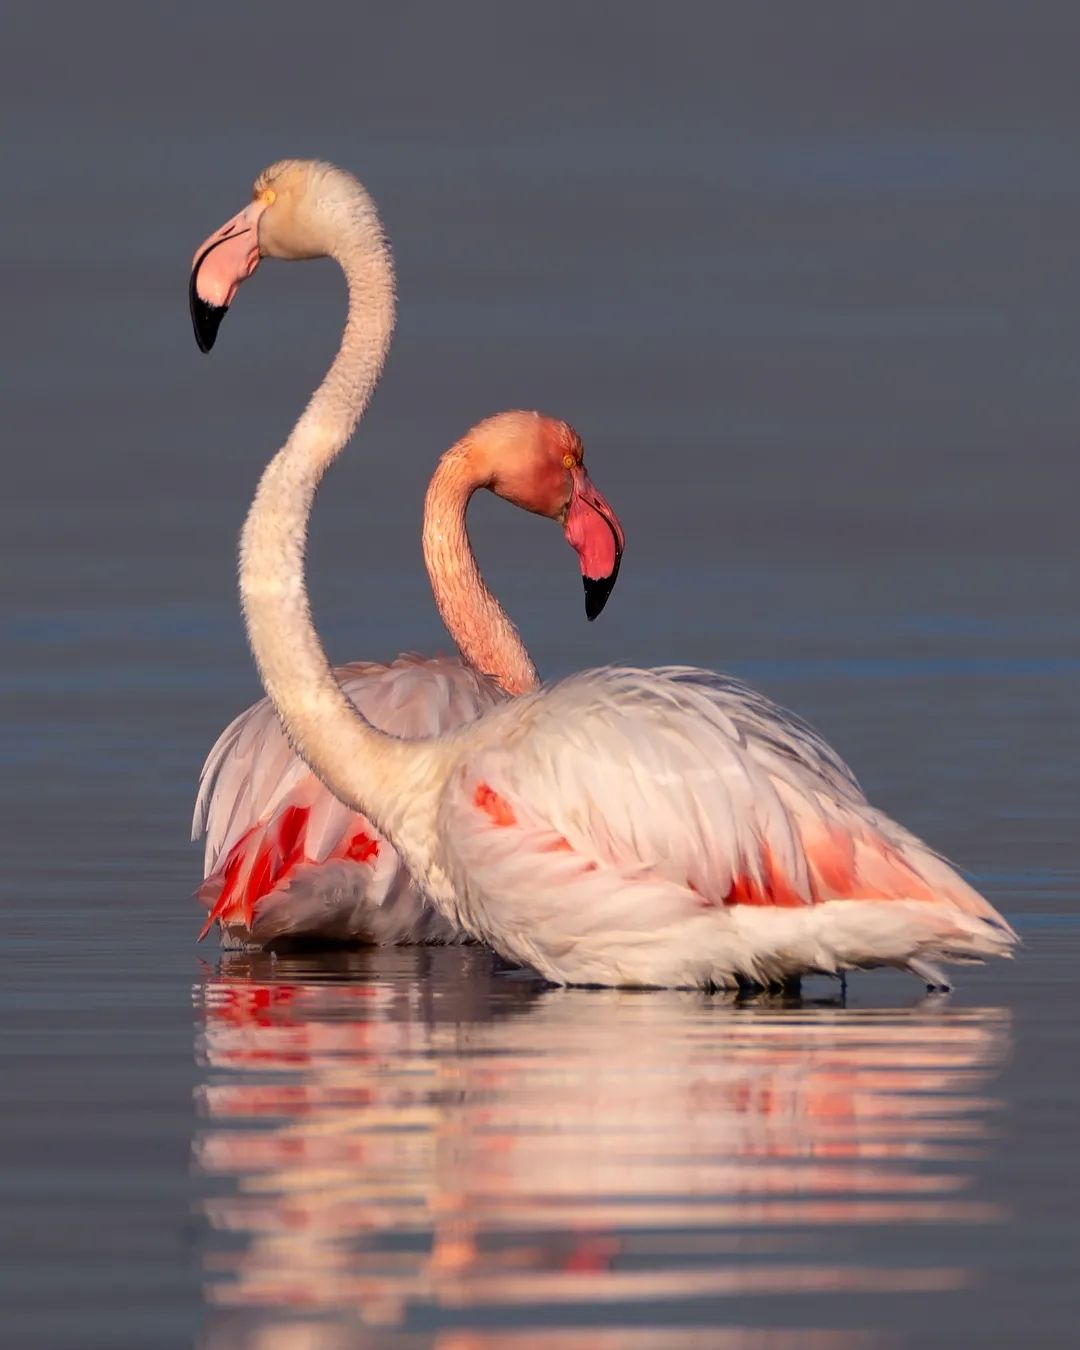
x: 379, y: 775
x: 476, y: 621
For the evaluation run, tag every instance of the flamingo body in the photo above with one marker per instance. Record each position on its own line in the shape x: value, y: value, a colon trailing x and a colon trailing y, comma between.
x: 673, y: 827
x: 284, y: 859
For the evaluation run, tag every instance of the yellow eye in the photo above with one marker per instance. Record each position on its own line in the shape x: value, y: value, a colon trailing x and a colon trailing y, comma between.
x: 569, y: 462
x: 269, y: 197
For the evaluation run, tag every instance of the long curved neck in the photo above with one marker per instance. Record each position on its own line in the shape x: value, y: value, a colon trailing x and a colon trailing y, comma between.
x: 370, y: 771
x: 479, y: 625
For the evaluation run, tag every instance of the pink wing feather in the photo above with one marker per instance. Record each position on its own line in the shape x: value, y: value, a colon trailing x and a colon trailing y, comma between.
x: 283, y: 857
x: 633, y: 802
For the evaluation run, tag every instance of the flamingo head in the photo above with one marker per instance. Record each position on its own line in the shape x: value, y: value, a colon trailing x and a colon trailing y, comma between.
x: 294, y: 207
x: 537, y: 463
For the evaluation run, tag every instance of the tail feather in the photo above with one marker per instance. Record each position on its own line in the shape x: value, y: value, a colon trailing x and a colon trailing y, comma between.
x: 264, y: 860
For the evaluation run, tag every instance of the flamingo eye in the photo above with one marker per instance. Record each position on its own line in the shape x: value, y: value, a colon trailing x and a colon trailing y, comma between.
x: 569, y: 462
x: 268, y: 197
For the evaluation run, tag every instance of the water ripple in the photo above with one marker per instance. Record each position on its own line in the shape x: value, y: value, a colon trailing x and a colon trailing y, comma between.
x: 415, y: 1140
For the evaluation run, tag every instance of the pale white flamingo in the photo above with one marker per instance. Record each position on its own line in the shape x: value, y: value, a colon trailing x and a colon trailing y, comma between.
x: 622, y: 827
x: 284, y: 858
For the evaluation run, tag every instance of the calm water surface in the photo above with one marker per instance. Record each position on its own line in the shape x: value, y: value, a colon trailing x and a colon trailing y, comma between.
x: 809, y: 290
x: 421, y: 1138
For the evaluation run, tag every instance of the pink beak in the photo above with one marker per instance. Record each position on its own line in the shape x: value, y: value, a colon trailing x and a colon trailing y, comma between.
x: 221, y: 263
x: 594, y: 532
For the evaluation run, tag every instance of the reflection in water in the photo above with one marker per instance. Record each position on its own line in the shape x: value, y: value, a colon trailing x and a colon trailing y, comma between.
x: 402, y: 1140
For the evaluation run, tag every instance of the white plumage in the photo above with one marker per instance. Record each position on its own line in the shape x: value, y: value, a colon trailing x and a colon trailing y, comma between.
x: 253, y: 779
x: 673, y: 827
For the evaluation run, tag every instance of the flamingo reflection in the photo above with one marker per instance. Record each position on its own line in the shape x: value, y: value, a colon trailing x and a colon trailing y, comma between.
x: 412, y: 1129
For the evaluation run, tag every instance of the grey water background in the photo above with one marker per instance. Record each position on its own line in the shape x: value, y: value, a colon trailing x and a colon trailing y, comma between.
x: 805, y: 278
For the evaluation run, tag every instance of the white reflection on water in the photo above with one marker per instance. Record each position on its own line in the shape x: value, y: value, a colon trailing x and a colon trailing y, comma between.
x: 411, y: 1138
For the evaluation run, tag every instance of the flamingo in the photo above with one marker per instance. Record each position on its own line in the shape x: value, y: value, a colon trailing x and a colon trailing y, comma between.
x: 283, y: 857
x: 666, y: 827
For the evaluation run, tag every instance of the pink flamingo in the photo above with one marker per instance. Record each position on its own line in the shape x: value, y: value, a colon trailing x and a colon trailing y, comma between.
x: 622, y: 827
x: 284, y: 858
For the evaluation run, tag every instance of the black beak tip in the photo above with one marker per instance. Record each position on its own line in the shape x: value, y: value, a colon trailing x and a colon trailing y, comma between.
x: 597, y: 591
x: 206, y: 320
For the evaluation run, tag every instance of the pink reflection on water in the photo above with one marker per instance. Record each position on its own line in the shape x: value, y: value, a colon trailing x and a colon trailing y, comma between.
x: 441, y: 1137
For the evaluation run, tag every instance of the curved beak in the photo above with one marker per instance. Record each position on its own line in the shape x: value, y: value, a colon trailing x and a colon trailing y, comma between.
x: 594, y: 533
x: 221, y: 263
